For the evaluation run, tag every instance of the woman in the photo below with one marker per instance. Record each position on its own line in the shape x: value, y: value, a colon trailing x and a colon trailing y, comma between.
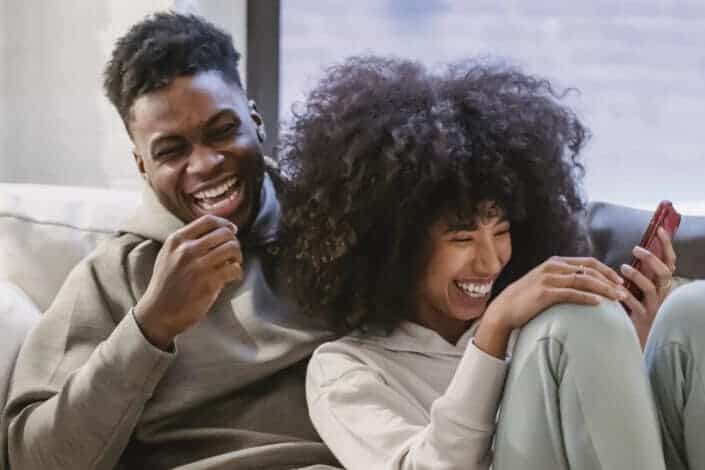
x: 430, y: 210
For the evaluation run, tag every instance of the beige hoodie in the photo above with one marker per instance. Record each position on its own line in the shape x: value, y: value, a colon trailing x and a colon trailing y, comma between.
x: 90, y: 392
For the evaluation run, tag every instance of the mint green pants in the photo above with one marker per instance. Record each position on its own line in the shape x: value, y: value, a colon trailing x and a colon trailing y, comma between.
x: 675, y: 358
x: 577, y: 396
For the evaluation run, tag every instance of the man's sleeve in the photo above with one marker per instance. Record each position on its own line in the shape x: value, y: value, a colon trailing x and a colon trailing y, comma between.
x: 81, y: 381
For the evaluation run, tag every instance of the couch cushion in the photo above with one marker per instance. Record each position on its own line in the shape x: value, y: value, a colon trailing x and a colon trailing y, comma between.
x: 45, y: 230
x: 615, y: 229
x: 17, y: 315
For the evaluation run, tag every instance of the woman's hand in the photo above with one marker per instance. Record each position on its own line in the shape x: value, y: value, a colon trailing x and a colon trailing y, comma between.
x: 558, y: 280
x: 654, y: 280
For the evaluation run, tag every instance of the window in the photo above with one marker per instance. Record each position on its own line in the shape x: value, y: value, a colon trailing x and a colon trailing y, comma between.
x: 639, y: 66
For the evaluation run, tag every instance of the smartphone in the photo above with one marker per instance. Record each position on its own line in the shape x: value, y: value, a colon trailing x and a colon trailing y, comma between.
x: 667, y: 217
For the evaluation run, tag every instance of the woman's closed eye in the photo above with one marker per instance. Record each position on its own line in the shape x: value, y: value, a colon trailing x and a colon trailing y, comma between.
x: 463, y: 237
x: 467, y: 237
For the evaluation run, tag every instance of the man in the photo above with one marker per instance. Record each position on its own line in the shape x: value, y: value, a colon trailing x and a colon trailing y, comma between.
x: 168, y: 345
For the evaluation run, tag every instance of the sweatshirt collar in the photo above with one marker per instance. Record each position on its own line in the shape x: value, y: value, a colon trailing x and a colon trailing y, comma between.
x: 408, y: 336
x: 154, y: 221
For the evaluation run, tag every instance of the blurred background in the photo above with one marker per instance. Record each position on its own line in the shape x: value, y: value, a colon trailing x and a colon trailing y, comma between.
x: 639, y: 67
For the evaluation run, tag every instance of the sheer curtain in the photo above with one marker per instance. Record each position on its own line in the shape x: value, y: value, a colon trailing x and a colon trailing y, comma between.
x: 56, y: 126
x: 639, y: 67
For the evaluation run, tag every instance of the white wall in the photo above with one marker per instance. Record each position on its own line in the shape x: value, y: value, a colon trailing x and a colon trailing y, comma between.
x: 231, y: 15
x: 3, y: 170
x: 56, y: 126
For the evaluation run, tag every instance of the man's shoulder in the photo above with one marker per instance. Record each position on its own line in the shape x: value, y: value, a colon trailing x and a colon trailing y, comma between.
x: 118, y: 249
x: 105, y: 284
x: 122, y: 263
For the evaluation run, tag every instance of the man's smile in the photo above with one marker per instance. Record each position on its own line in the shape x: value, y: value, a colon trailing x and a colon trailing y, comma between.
x: 220, y: 199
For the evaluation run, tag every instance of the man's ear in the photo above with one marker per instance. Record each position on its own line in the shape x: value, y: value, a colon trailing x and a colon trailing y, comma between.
x: 140, y: 164
x: 259, y: 122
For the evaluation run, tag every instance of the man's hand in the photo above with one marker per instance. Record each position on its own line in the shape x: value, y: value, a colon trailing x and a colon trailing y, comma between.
x: 191, y: 269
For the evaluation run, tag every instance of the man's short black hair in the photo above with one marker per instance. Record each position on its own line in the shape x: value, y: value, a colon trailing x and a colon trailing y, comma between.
x: 159, y: 49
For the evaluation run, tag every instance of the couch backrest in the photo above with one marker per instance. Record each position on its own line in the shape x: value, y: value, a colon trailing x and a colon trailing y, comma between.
x: 615, y: 229
x: 45, y: 230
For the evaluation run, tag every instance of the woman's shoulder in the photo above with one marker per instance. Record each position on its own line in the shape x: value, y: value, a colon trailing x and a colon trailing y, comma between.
x: 371, y: 349
x: 360, y: 350
x: 352, y: 346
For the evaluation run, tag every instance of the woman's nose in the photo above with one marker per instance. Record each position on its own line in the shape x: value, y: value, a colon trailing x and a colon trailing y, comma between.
x: 487, y: 260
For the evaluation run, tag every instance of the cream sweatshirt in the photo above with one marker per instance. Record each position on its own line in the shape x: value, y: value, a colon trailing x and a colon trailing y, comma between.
x: 409, y: 400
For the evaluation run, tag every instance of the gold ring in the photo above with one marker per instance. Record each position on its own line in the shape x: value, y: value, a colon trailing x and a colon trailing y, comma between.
x: 666, y: 285
x: 581, y: 270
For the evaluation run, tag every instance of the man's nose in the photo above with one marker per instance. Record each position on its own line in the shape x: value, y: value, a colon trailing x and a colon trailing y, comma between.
x: 204, y: 160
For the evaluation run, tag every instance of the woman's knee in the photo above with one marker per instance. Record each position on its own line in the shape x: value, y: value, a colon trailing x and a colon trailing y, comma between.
x: 593, y: 341
x: 590, y: 324
x: 681, y: 317
x: 563, y: 321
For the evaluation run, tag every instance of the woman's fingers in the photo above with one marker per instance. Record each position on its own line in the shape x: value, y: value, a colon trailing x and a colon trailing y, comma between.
x: 653, y: 269
x: 593, y: 284
x: 572, y: 296
x: 636, y: 308
x: 638, y: 278
x: 669, y: 253
x: 595, y: 266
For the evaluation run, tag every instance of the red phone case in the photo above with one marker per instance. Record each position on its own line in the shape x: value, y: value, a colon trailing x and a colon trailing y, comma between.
x: 667, y: 217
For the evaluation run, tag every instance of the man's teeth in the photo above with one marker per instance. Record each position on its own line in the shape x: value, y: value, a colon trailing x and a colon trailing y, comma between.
x: 216, y: 191
x: 474, y: 290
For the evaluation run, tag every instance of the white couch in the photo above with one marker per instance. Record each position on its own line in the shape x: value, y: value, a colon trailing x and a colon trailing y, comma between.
x: 46, y: 230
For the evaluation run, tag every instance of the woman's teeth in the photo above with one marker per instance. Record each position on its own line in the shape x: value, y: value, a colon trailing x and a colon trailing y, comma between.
x: 474, y: 290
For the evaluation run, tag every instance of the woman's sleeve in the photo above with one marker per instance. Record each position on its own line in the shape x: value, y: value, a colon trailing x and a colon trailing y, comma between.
x: 369, y: 424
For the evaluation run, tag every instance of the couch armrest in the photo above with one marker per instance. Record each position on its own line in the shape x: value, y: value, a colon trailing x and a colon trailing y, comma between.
x: 17, y: 316
x: 614, y: 230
